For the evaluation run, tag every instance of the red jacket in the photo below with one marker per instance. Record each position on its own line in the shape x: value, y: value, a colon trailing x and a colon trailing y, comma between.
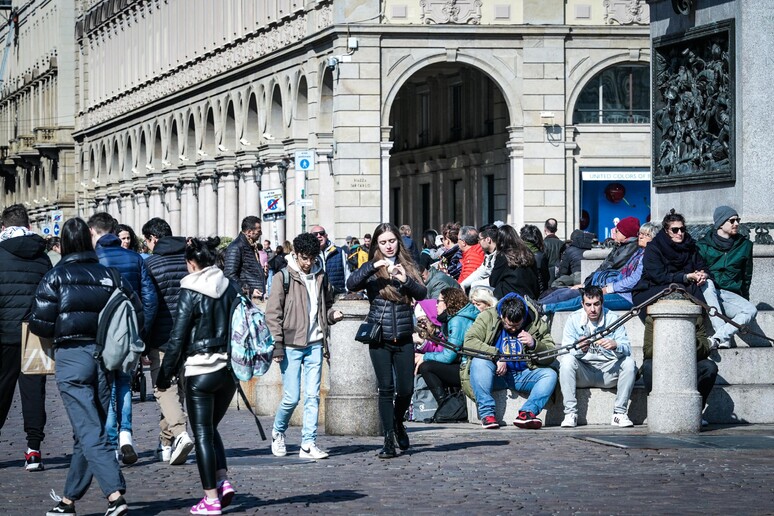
x: 472, y: 258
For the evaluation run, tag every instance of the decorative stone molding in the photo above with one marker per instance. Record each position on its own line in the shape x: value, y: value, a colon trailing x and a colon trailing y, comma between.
x: 626, y: 12
x: 268, y: 40
x: 451, y: 11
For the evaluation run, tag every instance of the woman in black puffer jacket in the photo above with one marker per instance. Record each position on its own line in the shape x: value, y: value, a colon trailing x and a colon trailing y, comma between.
x: 392, y: 283
x: 199, y: 342
x: 66, y: 308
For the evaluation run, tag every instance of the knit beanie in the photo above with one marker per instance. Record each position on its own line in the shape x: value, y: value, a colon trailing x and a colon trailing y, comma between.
x: 722, y: 214
x: 629, y: 227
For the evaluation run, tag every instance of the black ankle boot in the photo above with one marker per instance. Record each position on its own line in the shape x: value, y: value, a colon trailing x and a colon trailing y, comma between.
x: 401, y: 436
x: 388, y: 450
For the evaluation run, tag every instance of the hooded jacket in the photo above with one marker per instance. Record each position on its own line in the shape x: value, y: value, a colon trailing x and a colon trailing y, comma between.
x: 437, y: 281
x: 579, y: 326
x: 733, y: 269
x: 334, y: 260
x: 396, y: 318
x: 455, y: 331
x: 201, y: 331
x: 132, y: 268
x: 287, y: 315
x: 166, y: 267
x: 70, y: 297
x: 485, y: 331
x: 23, y: 263
x: 570, y: 262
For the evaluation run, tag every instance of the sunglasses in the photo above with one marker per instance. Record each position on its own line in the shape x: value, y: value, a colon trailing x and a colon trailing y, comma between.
x: 735, y: 220
x: 318, y: 233
x: 677, y: 230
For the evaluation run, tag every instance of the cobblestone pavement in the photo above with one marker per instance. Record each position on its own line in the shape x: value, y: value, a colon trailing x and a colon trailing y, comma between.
x: 449, y: 469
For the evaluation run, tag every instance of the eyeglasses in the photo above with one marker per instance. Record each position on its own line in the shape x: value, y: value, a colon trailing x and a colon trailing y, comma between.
x: 680, y: 229
x: 318, y: 233
x: 735, y: 220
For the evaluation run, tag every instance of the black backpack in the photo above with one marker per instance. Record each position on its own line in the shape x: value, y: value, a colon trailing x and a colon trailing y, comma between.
x: 452, y: 409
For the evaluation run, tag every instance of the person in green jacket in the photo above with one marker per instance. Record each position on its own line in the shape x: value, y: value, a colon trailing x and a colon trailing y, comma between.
x: 512, y: 327
x: 729, y: 257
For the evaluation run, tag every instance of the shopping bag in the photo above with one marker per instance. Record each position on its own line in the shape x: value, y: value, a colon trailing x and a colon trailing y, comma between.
x: 37, y: 353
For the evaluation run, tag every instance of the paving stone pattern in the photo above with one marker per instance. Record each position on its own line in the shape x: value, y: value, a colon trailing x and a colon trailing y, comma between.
x: 449, y: 469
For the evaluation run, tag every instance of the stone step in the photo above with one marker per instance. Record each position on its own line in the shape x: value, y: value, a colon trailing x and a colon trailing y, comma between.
x: 763, y: 323
x: 727, y: 404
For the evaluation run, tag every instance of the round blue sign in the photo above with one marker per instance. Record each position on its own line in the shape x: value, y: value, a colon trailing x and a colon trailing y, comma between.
x: 304, y: 164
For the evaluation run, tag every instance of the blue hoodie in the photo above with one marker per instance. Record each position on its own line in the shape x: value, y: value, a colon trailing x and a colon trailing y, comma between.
x: 507, y: 343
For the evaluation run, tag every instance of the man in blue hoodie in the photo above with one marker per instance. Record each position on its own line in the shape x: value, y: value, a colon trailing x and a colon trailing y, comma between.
x: 512, y: 328
x: 132, y: 267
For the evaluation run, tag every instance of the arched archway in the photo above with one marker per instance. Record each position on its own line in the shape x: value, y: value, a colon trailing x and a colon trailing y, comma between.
x: 190, y: 139
x: 449, y: 159
x: 229, y: 139
x: 115, y: 166
x: 252, y: 130
x: 209, y: 146
x: 128, y: 159
x: 158, y: 151
x: 325, y: 115
x: 173, y: 147
x: 276, y: 118
x: 300, y: 122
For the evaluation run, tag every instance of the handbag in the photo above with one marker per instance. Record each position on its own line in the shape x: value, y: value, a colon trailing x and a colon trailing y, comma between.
x: 371, y: 332
x: 37, y: 353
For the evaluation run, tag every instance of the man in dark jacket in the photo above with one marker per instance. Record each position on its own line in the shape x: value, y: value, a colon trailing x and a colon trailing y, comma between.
x: 554, y: 247
x: 241, y: 262
x: 167, y: 266
x: 23, y: 263
x: 132, y: 267
x: 334, y: 260
x: 729, y: 257
x: 436, y: 281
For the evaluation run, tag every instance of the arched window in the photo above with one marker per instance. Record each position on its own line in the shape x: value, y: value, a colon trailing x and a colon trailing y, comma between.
x: 617, y: 95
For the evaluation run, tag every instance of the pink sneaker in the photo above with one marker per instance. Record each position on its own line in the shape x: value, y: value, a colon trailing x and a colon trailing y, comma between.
x: 225, y: 493
x: 206, y: 506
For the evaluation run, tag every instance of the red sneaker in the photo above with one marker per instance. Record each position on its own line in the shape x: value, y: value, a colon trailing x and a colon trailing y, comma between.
x: 489, y: 422
x: 527, y: 420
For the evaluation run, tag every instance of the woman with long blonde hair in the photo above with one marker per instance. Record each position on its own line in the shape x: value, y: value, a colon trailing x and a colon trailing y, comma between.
x: 392, y: 282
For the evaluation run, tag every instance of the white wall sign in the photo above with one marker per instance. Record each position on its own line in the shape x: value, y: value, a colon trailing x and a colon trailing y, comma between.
x: 304, y: 160
x: 272, y: 202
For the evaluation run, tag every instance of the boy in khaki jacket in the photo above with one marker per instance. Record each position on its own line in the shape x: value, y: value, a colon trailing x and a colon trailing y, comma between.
x: 298, y: 320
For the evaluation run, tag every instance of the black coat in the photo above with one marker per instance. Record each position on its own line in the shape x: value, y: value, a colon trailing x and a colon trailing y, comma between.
x: 242, y: 266
x: 397, y: 319
x: 71, y: 296
x: 620, y: 255
x: 522, y: 280
x: 23, y: 263
x: 202, y: 326
x: 166, y: 267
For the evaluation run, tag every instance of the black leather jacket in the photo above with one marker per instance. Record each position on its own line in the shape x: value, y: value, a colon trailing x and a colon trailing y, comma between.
x: 242, y: 266
x: 202, y: 326
x: 71, y: 296
x: 397, y: 319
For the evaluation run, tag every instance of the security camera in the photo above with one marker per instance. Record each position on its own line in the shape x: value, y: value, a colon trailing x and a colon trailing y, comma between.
x: 331, y: 63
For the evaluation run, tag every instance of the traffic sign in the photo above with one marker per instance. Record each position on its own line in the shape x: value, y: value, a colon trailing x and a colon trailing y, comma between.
x: 56, y: 229
x: 46, y: 231
x: 57, y: 217
x: 272, y: 201
x: 305, y: 160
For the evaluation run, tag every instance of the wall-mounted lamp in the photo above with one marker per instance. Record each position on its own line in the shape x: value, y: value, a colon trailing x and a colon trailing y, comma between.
x: 179, y: 190
x: 258, y: 167
x: 282, y: 168
x: 147, y: 195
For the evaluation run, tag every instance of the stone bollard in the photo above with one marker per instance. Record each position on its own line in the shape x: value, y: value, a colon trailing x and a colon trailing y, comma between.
x: 674, y: 404
x: 351, y: 405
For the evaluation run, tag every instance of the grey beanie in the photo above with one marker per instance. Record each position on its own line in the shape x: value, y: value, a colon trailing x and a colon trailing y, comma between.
x: 722, y: 214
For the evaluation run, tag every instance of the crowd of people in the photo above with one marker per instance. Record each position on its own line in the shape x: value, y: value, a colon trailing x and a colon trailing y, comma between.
x: 469, y: 311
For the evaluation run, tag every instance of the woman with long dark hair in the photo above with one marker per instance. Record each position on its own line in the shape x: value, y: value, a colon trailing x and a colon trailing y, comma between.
x: 514, y: 268
x: 533, y: 239
x: 128, y: 238
x: 67, y: 305
x: 198, y: 343
x: 392, y: 283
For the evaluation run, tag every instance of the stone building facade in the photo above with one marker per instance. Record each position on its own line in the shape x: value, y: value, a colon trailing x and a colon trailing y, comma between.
x: 416, y: 111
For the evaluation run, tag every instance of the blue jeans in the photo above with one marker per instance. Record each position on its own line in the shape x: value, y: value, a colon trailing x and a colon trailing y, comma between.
x: 310, y: 359
x: 538, y: 383
x: 612, y: 302
x: 740, y: 310
x: 120, y: 401
x: 85, y: 393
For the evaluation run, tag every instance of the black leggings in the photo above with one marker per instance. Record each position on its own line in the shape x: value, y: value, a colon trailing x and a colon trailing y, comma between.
x: 394, y: 368
x: 438, y: 376
x: 208, y: 397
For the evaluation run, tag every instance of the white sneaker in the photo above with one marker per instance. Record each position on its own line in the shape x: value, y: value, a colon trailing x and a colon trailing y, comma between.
x: 570, y: 420
x: 181, y: 447
x: 128, y: 455
x: 278, y: 444
x: 312, y: 452
x: 621, y: 420
x: 163, y: 453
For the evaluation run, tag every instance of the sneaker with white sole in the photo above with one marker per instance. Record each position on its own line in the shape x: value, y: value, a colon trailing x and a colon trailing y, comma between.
x: 311, y: 451
x: 570, y: 420
x: 225, y: 493
x: 278, y: 447
x: 621, y: 420
x: 32, y: 460
x: 117, y: 507
x: 60, y: 507
x: 128, y: 454
x: 207, y: 506
x: 163, y: 452
x: 181, y: 447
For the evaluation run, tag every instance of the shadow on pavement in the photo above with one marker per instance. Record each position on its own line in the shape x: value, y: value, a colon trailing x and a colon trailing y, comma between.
x: 159, y: 506
x: 335, y: 495
x: 454, y: 446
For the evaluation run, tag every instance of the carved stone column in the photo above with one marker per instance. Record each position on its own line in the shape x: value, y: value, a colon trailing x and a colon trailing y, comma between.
x: 386, y: 146
x: 515, y: 147
x: 208, y: 199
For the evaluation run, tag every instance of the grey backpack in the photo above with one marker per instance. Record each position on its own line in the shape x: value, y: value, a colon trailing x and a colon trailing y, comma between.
x: 118, y: 330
